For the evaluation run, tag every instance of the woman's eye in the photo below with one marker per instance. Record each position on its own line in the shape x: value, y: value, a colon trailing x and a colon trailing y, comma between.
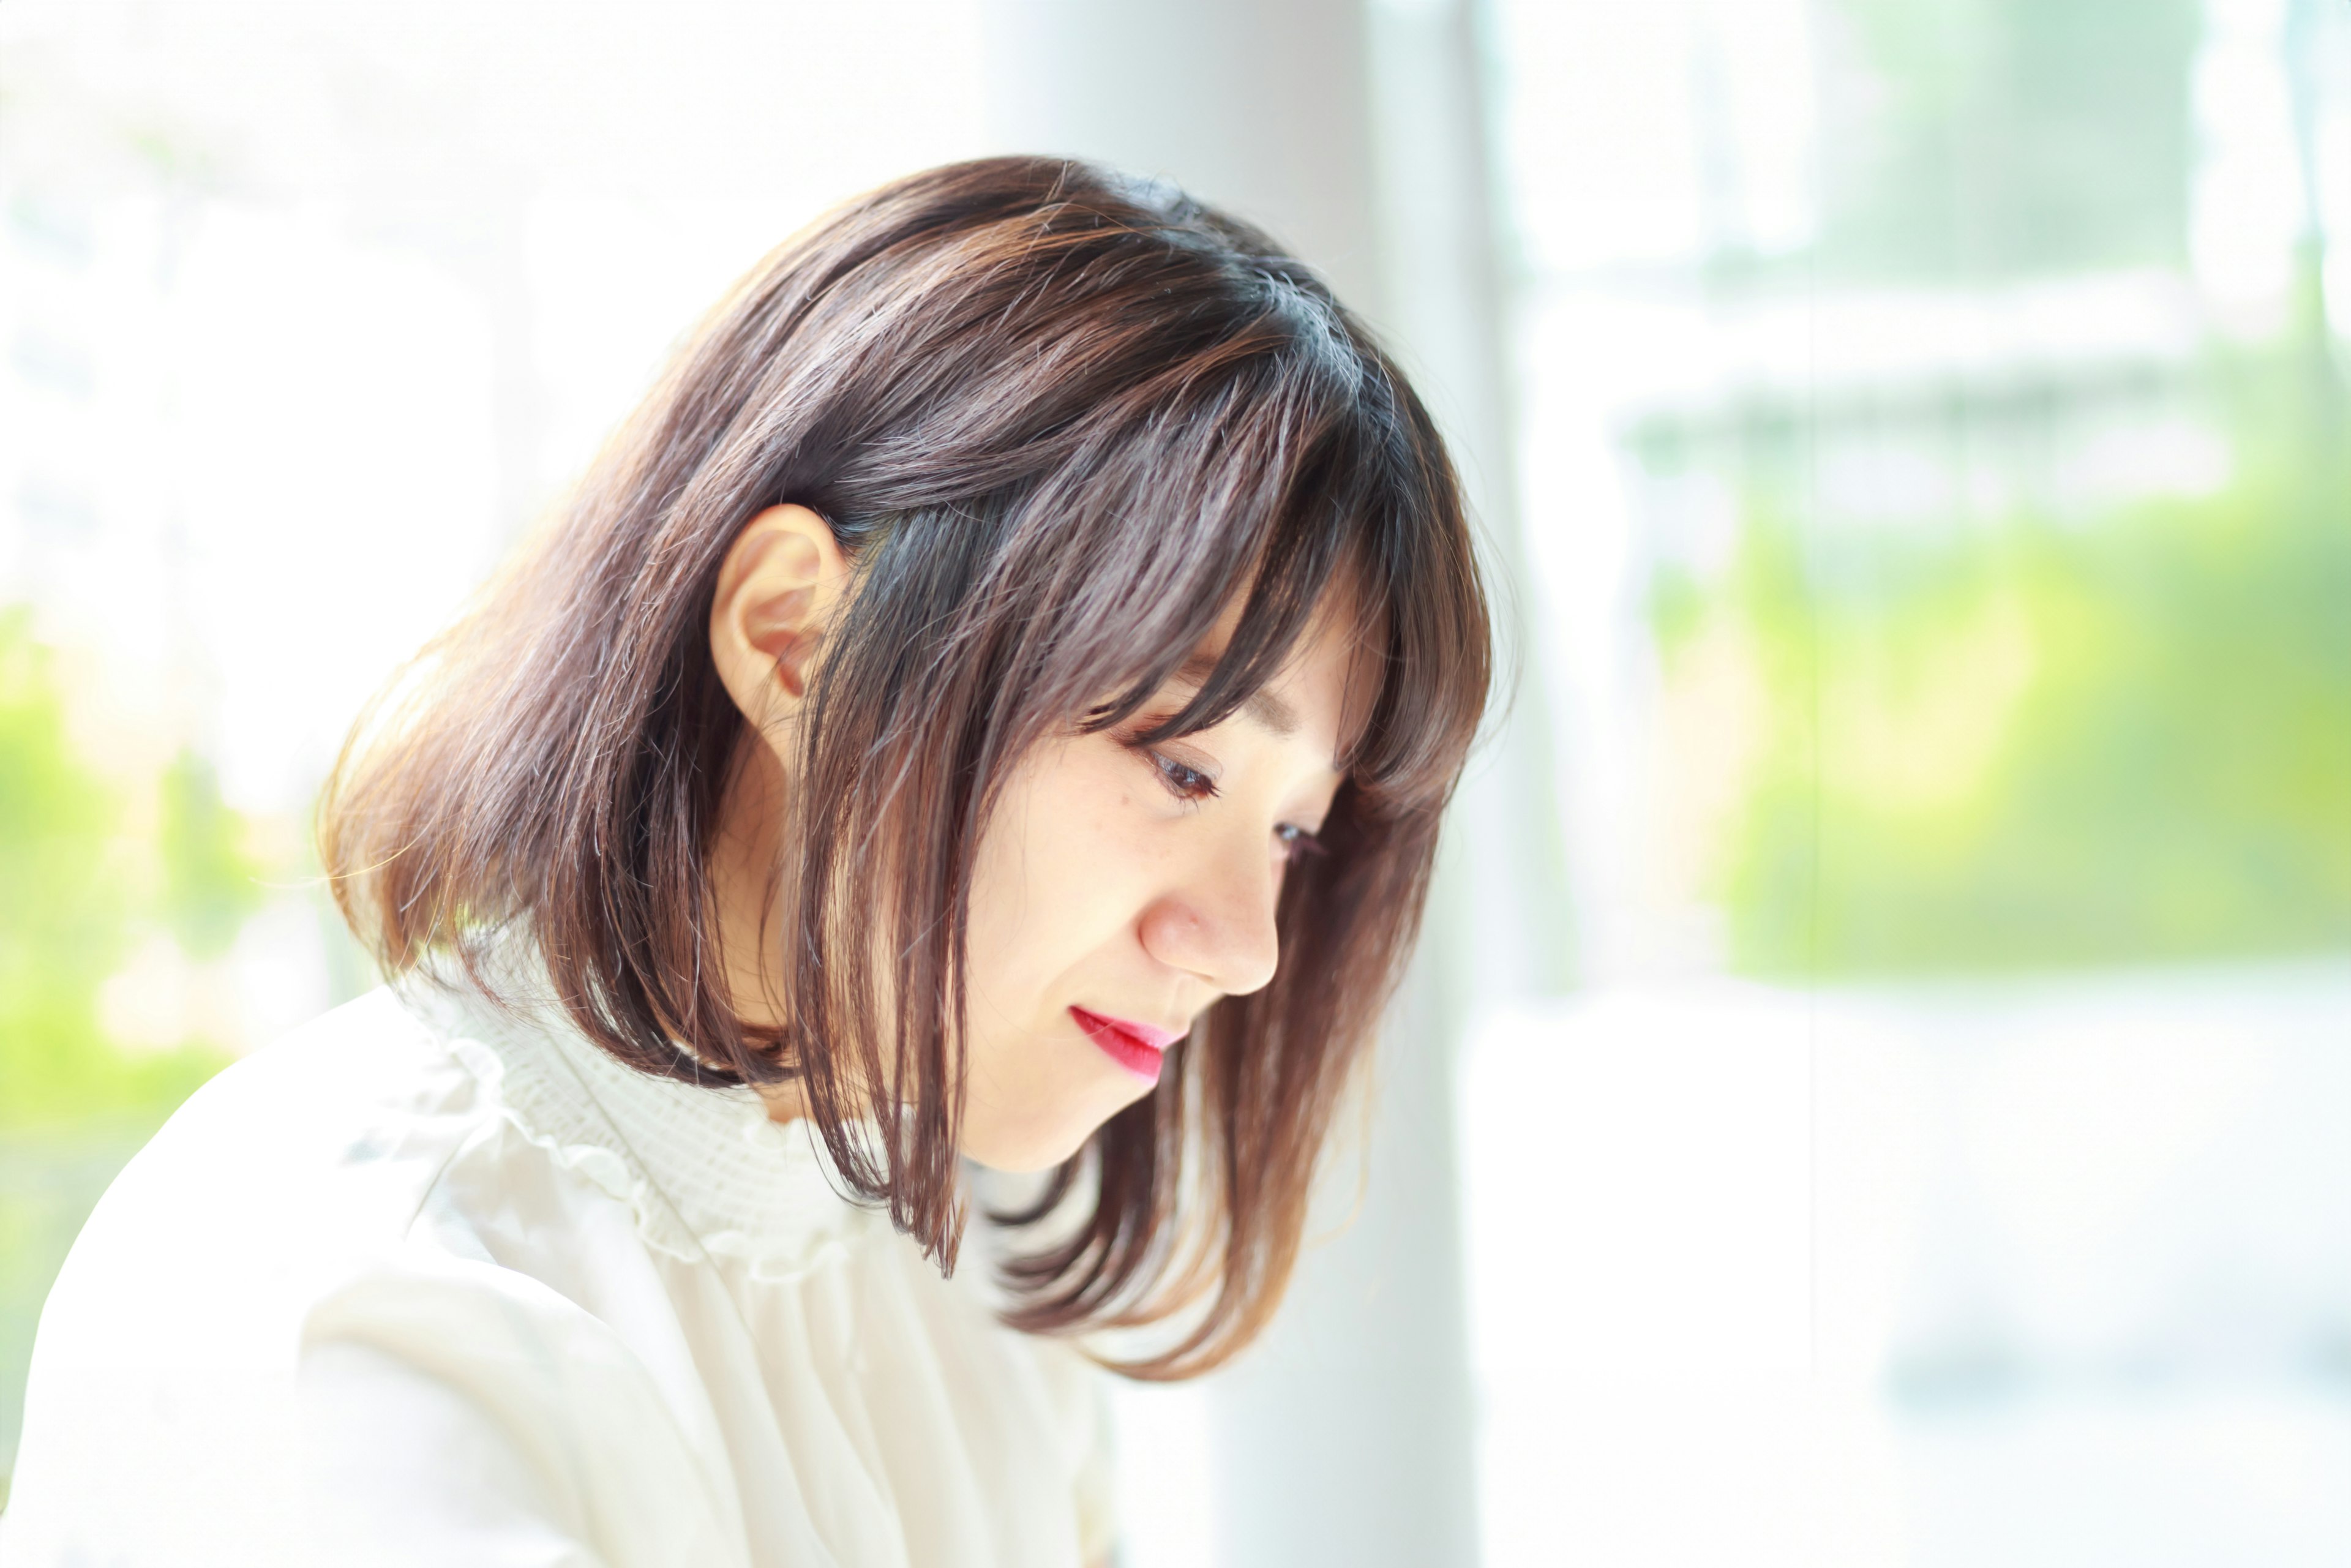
x: 1297, y: 844
x: 1185, y: 783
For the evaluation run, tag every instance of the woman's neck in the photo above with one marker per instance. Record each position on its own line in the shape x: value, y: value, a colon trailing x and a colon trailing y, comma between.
x: 743, y: 857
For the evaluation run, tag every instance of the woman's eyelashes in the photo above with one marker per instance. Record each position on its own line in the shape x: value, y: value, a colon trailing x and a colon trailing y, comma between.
x: 1183, y: 780
x: 1297, y: 843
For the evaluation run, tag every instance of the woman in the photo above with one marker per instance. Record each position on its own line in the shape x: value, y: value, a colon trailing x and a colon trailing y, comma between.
x: 988, y: 712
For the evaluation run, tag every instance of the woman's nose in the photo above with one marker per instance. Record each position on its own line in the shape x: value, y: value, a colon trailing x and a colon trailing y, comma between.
x: 1219, y: 923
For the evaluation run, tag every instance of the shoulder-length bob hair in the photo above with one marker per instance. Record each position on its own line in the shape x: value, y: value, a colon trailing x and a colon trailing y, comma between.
x: 1058, y: 421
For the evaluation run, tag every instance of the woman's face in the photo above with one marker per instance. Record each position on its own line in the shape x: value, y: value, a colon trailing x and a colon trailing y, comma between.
x: 1120, y: 890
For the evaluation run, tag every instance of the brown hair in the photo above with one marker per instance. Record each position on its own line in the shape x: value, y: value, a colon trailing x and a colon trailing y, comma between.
x: 1057, y: 421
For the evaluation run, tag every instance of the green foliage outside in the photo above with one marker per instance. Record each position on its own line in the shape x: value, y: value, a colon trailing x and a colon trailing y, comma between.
x: 76, y: 894
x: 210, y: 885
x: 2045, y: 744
x: 79, y: 885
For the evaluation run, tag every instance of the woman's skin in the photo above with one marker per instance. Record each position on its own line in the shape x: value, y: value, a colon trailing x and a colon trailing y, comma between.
x: 1135, y: 884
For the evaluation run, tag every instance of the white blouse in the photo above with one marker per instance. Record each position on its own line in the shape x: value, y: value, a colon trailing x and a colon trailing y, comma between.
x: 421, y: 1285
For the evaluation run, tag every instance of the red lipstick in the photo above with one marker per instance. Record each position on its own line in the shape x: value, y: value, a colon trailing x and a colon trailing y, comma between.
x: 1137, y: 1047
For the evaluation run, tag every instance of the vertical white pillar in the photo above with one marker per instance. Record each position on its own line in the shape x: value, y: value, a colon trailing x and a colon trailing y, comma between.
x: 1347, y: 1436
x: 1259, y: 105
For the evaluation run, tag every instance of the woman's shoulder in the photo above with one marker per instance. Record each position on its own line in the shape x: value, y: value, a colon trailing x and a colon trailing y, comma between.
x: 322, y: 1142
x: 369, y: 1086
x: 378, y: 1047
x: 276, y: 1283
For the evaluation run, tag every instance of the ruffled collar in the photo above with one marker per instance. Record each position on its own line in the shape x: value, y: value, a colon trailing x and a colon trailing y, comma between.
x: 706, y: 1172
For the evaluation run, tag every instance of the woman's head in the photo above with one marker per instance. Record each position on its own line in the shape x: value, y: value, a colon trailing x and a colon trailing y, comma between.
x: 1040, y: 595
x: 1120, y: 885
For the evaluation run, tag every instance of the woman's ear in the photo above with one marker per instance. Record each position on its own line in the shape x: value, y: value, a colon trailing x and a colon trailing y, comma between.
x: 781, y: 582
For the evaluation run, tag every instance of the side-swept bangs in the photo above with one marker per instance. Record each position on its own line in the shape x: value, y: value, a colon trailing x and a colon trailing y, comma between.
x: 1060, y: 422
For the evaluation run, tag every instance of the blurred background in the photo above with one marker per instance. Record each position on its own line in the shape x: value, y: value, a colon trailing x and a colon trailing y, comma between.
x: 1878, y: 1087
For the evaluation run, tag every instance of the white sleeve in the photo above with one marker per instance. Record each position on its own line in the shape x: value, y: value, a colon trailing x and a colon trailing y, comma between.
x: 472, y: 1416
x: 401, y: 1468
x: 439, y: 1412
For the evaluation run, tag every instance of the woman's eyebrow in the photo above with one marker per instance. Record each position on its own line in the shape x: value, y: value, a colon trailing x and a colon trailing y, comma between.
x: 1273, y: 712
x: 1274, y: 715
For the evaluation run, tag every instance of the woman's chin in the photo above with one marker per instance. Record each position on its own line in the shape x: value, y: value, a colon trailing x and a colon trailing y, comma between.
x: 1037, y: 1145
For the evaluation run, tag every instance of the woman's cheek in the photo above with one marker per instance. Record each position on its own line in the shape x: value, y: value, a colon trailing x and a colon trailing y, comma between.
x: 1040, y: 882
x: 1092, y: 829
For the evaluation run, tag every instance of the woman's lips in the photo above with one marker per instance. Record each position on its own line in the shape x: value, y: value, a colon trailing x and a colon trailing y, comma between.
x: 1137, y: 1047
